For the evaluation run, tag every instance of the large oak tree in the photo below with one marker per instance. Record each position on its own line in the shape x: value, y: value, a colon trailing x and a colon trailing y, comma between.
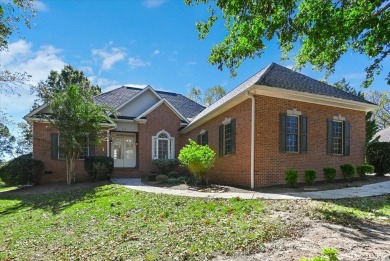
x: 323, y: 30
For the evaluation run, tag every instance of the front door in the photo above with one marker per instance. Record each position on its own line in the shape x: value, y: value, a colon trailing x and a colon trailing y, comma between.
x: 123, y: 150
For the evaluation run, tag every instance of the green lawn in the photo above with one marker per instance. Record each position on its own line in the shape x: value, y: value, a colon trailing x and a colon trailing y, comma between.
x: 112, y: 222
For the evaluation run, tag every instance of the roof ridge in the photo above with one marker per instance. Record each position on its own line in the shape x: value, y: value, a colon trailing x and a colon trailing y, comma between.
x: 322, y: 83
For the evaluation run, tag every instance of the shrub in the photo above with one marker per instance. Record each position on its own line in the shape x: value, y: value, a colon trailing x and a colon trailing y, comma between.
x: 198, y: 159
x: 99, y: 166
x: 310, y: 176
x: 22, y: 170
x: 162, y: 178
x: 348, y: 171
x: 330, y: 253
x: 165, y: 165
x: 330, y: 174
x: 364, y: 169
x: 182, y: 180
x: 378, y: 155
x: 291, y: 177
x: 173, y: 174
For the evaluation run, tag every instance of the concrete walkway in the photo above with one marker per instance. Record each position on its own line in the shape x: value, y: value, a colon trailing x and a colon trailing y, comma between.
x: 376, y: 189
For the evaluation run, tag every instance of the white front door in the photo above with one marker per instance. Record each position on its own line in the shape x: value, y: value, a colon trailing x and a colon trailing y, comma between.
x: 123, y: 150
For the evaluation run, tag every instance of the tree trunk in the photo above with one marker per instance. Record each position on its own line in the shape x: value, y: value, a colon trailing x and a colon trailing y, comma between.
x: 70, y: 172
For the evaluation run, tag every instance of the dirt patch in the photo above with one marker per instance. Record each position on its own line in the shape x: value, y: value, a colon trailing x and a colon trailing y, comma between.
x: 358, y: 241
x: 365, y: 243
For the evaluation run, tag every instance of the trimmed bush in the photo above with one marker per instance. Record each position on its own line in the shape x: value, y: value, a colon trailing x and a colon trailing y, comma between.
x: 291, y: 177
x: 182, y: 180
x: 364, y: 169
x: 165, y: 165
x: 330, y: 174
x: 198, y: 159
x: 348, y: 171
x: 378, y: 155
x: 173, y: 174
x: 99, y: 166
x: 310, y: 176
x: 22, y: 170
x: 162, y: 178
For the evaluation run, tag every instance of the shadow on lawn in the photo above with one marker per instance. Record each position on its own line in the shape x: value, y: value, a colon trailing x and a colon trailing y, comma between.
x: 361, y: 213
x: 52, y: 197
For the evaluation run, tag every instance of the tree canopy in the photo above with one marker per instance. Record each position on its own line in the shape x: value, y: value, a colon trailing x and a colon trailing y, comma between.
x: 323, y: 30
x: 58, y: 81
x: 210, y: 96
x: 76, y: 116
x: 13, y: 13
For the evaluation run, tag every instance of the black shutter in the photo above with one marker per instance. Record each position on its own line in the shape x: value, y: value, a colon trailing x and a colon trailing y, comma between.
x: 329, y: 140
x: 282, y: 132
x: 233, y: 123
x: 54, y: 146
x: 347, y: 137
x: 200, y: 139
x: 221, y: 140
x: 206, y: 138
x: 303, y: 134
x: 92, y: 143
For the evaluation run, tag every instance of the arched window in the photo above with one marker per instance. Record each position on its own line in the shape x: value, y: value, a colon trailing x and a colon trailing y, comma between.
x: 163, y: 146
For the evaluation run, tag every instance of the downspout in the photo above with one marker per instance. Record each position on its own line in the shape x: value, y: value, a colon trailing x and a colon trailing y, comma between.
x: 252, y: 141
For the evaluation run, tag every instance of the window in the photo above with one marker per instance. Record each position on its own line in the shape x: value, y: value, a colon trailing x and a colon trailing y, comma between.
x: 338, y: 136
x: 227, y: 137
x: 163, y: 146
x: 203, y: 138
x: 84, y: 146
x: 293, y: 132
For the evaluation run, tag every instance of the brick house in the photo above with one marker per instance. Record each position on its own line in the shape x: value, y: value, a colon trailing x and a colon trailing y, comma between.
x: 275, y: 120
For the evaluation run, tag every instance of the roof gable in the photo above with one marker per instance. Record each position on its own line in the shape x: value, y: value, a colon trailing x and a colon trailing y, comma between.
x: 158, y: 104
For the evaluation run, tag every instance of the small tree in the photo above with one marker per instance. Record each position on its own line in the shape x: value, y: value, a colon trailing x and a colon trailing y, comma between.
x: 76, y: 116
x: 197, y: 158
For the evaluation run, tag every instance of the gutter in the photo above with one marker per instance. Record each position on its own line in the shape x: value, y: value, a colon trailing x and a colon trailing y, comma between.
x: 252, y: 139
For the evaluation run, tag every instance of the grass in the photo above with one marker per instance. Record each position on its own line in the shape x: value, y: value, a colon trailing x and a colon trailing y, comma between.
x: 354, y: 210
x: 112, y: 222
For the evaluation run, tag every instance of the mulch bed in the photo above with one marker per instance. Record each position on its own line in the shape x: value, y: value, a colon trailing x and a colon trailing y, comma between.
x: 277, y: 189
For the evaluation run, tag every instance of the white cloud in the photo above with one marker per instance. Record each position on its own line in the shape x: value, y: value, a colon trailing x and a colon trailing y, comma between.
x: 86, y: 70
x: 41, y: 7
x: 137, y: 63
x: 153, y: 3
x: 155, y: 52
x: 109, y: 57
x: 21, y: 57
x: 135, y: 85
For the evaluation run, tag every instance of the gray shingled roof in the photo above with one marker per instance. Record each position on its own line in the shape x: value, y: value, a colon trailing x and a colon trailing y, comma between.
x: 282, y: 77
x: 275, y: 75
x: 187, y: 107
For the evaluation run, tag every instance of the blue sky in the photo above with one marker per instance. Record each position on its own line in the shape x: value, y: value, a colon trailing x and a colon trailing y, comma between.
x: 141, y: 42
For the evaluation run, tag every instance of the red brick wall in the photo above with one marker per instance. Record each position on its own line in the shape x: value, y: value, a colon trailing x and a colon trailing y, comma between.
x: 270, y: 164
x: 229, y: 169
x: 42, y: 151
x: 162, y: 118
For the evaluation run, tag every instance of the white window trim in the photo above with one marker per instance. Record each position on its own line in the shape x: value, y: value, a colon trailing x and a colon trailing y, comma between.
x: 298, y: 134
x: 58, y: 148
x: 224, y: 137
x: 171, y: 145
x: 342, y: 135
